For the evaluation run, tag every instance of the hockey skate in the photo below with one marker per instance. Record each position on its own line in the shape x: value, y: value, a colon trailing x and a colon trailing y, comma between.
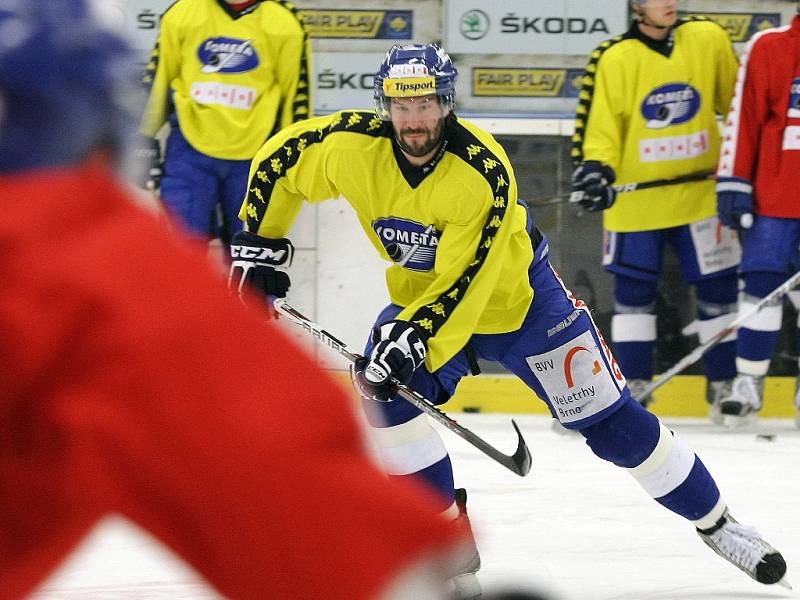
x: 715, y: 393
x: 637, y: 387
x: 465, y: 585
x: 740, y: 407
x: 744, y: 548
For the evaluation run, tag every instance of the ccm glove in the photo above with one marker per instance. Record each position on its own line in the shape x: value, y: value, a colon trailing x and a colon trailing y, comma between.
x: 258, y: 263
x: 591, y: 186
x: 735, y: 203
x: 147, y: 157
x: 398, y: 351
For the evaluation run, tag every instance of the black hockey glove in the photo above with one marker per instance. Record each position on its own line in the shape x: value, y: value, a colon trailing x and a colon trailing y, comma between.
x: 398, y: 351
x: 149, y: 169
x: 258, y: 263
x: 591, y: 186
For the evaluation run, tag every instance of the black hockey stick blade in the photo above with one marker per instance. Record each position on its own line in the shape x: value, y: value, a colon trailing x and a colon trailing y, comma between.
x: 519, y: 462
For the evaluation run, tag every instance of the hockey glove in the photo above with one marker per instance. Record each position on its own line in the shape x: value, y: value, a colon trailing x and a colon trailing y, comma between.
x: 147, y: 156
x: 398, y: 351
x: 591, y: 186
x: 258, y: 264
x: 735, y: 203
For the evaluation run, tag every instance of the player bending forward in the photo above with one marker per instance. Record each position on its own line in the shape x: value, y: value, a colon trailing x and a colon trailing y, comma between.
x: 437, y: 196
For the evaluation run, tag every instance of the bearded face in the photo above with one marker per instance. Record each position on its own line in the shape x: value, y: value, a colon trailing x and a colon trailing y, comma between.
x: 418, y: 124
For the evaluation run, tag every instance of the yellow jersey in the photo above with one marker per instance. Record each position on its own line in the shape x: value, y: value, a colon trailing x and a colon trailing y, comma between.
x: 649, y: 111
x: 453, y: 228
x: 232, y: 78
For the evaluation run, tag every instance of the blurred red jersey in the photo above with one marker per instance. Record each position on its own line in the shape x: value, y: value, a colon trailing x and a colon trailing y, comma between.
x: 133, y: 383
x: 762, y: 133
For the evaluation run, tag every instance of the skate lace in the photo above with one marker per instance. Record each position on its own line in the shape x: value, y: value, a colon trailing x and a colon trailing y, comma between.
x: 741, y: 545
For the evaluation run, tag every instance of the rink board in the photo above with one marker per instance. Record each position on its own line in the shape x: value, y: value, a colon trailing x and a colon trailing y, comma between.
x: 683, y: 396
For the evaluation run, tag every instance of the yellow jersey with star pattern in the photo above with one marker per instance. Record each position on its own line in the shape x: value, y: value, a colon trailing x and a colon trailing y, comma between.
x: 232, y: 78
x: 457, y: 237
x: 648, y: 109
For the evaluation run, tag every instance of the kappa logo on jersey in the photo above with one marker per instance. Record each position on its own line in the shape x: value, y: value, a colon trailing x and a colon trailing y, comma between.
x: 794, y: 100
x: 227, y: 55
x: 670, y: 104
x: 408, y: 243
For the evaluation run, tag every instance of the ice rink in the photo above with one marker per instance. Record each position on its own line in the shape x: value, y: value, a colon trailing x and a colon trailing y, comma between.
x: 576, y: 527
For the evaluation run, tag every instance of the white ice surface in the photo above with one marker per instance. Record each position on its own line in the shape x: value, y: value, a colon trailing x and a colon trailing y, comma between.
x: 576, y: 526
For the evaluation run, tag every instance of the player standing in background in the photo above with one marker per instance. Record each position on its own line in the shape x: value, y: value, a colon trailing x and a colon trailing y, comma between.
x: 758, y: 176
x: 648, y: 111
x: 437, y: 196
x: 115, y: 397
x: 225, y: 75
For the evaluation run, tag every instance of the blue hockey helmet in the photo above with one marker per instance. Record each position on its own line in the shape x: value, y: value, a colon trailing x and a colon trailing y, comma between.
x: 415, y: 70
x: 64, y: 80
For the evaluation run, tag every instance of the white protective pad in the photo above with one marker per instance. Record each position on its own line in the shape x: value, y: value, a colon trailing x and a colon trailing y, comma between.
x: 633, y: 327
x: 769, y: 318
x: 708, y: 328
x: 668, y: 465
x: 409, y: 447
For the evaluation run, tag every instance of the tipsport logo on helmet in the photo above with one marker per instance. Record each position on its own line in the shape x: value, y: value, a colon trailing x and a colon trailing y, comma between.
x: 670, y: 104
x: 227, y: 55
x: 408, y: 80
x: 409, y: 87
x: 408, y: 243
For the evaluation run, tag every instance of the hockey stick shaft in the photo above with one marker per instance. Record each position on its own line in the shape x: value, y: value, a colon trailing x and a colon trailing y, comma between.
x: 626, y: 187
x: 698, y: 352
x: 519, y: 462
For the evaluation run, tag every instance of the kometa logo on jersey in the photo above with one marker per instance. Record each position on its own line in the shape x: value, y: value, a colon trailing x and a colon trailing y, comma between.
x: 410, y: 244
x: 227, y: 55
x: 670, y: 104
x: 794, y: 99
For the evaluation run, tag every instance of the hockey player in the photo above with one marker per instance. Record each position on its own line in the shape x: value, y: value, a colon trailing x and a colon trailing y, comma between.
x: 225, y: 74
x: 115, y: 397
x: 436, y: 195
x: 648, y: 112
x: 758, y: 174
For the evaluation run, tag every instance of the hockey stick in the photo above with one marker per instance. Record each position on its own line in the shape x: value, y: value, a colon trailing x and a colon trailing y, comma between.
x: 698, y: 352
x: 626, y: 187
x: 519, y: 462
